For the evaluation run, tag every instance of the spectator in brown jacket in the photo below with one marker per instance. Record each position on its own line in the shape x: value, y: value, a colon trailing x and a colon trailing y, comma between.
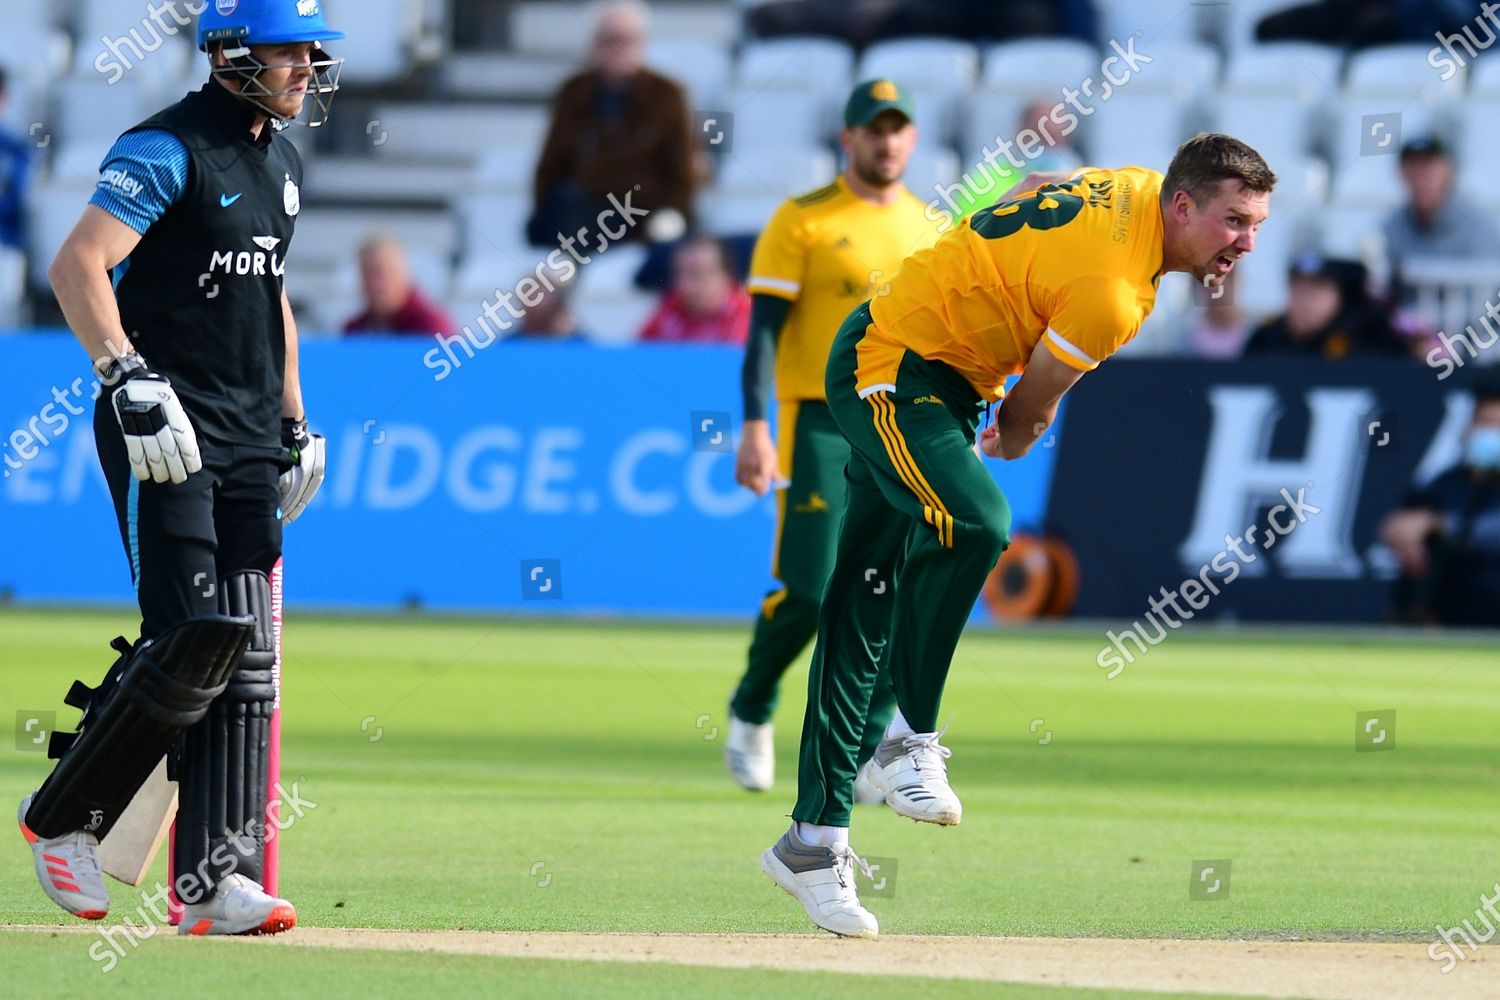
x: 617, y: 128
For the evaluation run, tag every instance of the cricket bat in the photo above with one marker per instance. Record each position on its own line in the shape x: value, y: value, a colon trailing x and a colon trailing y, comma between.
x: 131, y: 845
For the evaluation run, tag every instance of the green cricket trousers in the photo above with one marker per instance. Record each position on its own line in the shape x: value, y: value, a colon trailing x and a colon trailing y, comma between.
x: 923, y: 526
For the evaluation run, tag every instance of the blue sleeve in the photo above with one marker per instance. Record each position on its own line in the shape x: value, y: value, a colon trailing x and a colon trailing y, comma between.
x: 141, y: 177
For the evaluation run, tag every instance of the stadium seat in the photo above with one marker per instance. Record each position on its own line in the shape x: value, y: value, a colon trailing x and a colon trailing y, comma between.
x: 932, y: 165
x: 1162, y: 330
x: 1260, y: 279
x: 454, y: 131
x: 1039, y: 66
x: 54, y: 208
x: 611, y: 317
x: 1152, y: 22
x: 493, y: 223
x: 87, y: 108
x: 1368, y: 180
x: 548, y: 27
x: 767, y: 118
x: 117, y: 40
x: 1232, y: 25
x: 1393, y: 119
x: 945, y: 66
x: 31, y: 39
x: 12, y: 287
x: 506, y: 169
x: 613, y: 272
x: 331, y: 235
x: 736, y: 214
x: 1451, y: 293
x: 479, y: 276
x: 706, y: 21
x: 1484, y: 76
x: 503, y: 75
x: 1352, y: 230
x: 784, y: 171
x: 1136, y: 129
x: 1189, y: 68
x: 384, y: 179
x: 382, y: 35
x: 701, y: 67
x: 1478, y: 149
x: 992, y: 115
x: 819, y: 65
x: 27, y: 89
x: 1277, y: 124
x: 1399, y: 71
x: 1303, y: 68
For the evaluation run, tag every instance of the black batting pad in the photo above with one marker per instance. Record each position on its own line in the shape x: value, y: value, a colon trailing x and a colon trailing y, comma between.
x: 222, y: 772
x: 162, y: 688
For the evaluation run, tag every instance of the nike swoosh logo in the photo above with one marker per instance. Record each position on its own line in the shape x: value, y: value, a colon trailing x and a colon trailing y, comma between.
x: 226, y: 201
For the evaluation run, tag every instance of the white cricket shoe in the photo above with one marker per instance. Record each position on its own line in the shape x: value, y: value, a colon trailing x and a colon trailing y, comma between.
x: 865, y: 791
x: 750, y: 754
x: 68, y: 868
x: 822, y: 880
x: 238, y: 906
x: 912, y: 773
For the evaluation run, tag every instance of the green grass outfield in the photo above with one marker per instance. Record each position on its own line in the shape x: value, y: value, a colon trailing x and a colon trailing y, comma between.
x: 567, y: 776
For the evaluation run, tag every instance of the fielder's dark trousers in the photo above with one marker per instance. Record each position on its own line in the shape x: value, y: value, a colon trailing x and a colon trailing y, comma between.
x: 182, y: 539
x: 924, y: 526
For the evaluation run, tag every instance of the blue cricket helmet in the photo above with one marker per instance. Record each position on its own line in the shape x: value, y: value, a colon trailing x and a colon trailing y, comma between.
x: 263, y: 22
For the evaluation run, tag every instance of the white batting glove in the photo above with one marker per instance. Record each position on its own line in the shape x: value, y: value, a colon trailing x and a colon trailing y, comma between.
x: 159, y: 438
x: 309, y: 457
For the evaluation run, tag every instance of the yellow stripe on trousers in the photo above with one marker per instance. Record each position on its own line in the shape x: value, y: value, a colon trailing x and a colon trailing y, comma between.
x: 906, y: 467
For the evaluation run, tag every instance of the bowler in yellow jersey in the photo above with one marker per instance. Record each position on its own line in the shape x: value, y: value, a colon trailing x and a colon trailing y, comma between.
x: 1046, y: 284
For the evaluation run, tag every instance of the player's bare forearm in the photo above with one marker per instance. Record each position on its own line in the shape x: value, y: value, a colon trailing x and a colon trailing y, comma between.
x: 291, y: 393
x: 1029, y: 407
x: 1020, y: 427
x: 81, y: 281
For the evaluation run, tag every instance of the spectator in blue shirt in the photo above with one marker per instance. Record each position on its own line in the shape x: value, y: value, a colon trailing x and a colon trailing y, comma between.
x: 15, y: 165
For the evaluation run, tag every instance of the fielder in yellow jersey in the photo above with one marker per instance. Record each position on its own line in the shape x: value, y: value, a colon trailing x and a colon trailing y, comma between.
x: 1048, y: 284
x: 822, y: 254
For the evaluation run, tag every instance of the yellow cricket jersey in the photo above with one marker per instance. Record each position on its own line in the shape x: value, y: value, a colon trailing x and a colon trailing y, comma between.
x: 1074, y: 266
x: 827, y: 251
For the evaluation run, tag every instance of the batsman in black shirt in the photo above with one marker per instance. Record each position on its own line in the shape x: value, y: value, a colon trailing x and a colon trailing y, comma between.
x: 172, y: 280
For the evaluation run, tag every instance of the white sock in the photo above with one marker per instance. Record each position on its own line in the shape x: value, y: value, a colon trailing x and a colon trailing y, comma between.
x: 821, y: 836
x: 899, y: 727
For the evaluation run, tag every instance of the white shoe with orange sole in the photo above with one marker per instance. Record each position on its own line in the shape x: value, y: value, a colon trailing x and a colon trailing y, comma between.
x: 68, y: 869
x: 239, y: 905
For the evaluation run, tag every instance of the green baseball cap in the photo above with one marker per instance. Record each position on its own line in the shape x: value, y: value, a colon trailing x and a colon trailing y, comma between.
x: 873, y: 98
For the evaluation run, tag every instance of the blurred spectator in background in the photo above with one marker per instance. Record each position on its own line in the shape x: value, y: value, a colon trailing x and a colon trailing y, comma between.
x: 1216, y: 328
x: 860, y: 22
x: 1434, y: 222
x: 1446, y: 536
x: 393, y: 303
x: 1329, y: 314
x: 706, y: 303
x: 15, y: 165
x: 617, y: 128
x: 551, y: 318
x: 1360, y: 23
